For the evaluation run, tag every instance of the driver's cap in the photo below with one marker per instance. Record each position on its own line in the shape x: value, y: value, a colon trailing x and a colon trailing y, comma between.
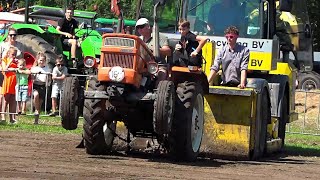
x: 142, y: 21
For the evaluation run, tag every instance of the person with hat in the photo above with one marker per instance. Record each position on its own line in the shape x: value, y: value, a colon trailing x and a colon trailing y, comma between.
x: 144, y: 29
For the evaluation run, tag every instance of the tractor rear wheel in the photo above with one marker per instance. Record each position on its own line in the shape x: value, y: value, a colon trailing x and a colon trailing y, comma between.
x: 69, y: 103
x: 164, y: 107
x: 98, y: 132
x: 284, y: 118
x: 188, y: 122
x: 264, y: 115
x: 34, y: 44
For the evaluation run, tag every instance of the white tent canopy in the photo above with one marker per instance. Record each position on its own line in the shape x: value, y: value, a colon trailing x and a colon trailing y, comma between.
x: 11, y: 17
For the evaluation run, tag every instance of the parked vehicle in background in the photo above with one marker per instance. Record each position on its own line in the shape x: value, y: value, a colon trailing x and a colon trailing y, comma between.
x: 38, y: 34
x: 105, y: 25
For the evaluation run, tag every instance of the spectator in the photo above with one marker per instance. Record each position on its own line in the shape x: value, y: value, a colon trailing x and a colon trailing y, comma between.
x: 41, y: 81
x: 189, y: 50
x: 4, y: 46
x: 9, y: 64
x: 22, y: 74
x: 66, y: 27
x: 58, y: 75
x: 11, y: 41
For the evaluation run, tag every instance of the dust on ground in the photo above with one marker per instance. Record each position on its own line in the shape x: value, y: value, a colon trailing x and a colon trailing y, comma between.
x: 27, y: 155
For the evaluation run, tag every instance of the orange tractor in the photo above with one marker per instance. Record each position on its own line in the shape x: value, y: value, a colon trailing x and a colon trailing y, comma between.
x: 126, y: 89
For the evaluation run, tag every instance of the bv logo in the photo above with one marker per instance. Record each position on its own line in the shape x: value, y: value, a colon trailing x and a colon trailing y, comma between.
x: 256, y: 62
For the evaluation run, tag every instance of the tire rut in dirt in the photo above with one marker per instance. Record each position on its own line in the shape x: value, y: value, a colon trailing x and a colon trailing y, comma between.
x: 69, y: 105
x: 180, y: 138
x: 34, y: 44
x: 164, y: 107
x: 94, y: 111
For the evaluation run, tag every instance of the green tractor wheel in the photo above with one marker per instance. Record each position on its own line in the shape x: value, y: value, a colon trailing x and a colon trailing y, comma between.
x: 34, y: 44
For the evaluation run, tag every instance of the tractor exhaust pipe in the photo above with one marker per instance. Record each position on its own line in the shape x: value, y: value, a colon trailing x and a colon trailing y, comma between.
x: 26, y: 12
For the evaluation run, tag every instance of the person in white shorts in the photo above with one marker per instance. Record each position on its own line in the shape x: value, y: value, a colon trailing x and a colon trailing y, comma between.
x: 59, y: 73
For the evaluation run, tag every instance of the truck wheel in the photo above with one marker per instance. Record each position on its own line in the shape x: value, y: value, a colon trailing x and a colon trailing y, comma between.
x: 264, y: 114
x: 34, y: 44
x: 284, y: 118
x: 187, y: 126
x: 98, y: 132
x: 69, y: 105
x: 308, y: 82
x: 164, y: 107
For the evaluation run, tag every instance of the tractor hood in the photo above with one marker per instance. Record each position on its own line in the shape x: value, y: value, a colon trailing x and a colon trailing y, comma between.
x: 91, y: 42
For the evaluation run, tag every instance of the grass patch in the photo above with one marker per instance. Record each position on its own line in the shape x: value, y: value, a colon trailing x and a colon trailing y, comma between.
x: 303, y: 145
x: 47, y: 125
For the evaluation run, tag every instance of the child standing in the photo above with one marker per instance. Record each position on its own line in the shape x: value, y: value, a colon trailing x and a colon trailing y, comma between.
x: 59, y: 73
x: 22, y: 74
x: 9, y: 65
x: 40, y: 83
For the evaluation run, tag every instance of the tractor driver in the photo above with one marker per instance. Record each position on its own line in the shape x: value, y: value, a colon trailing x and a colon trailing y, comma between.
x: 234, y: 59
x: 66, y: 27
x: 144, y: 29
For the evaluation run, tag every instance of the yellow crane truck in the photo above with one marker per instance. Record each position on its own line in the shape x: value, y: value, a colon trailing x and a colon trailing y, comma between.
x: 242, y: 123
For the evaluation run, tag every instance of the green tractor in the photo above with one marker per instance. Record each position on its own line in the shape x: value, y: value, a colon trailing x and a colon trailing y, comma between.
x: 38, y: 34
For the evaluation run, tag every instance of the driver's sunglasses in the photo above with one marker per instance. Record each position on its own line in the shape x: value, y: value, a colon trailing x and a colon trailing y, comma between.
x: 12, y: 35
x: 230, y: 36
x: 59, y: 64
x: 141, y: 26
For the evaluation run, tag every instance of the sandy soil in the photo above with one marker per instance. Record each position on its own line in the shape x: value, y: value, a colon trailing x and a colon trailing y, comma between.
x: 54, y: 156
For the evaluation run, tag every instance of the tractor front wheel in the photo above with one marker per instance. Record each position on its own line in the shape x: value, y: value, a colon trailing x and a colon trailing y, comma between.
x: 98, y: 125
x: 188, y: 122
x: 69, y: 104
x: 164, y: 107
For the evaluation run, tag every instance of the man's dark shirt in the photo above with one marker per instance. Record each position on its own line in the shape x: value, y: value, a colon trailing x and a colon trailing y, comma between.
x: 182, y: 57
x: 67, y: 26
x: 191, y: 43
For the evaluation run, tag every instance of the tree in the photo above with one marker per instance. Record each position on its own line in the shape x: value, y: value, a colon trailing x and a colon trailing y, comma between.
x: 314, y: 14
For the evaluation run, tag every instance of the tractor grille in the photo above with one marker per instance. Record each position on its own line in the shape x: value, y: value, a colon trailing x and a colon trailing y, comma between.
x: 124, y: 61
x: 116, y: 41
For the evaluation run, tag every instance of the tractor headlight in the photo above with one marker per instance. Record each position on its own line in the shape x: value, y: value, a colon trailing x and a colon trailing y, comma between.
x: 89, y: 61
x: 116, y: 74
x: 152, y: 67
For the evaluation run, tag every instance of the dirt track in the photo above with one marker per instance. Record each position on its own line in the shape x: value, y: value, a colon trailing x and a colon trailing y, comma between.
x: 44, y: 156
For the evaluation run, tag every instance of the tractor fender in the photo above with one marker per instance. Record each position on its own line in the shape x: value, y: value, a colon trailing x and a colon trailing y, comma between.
x: 278, y: 86
x: 182, y: 74
x: 26, y: 28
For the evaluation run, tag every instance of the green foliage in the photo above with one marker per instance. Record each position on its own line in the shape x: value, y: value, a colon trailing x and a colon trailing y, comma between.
x: 314, y: 13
